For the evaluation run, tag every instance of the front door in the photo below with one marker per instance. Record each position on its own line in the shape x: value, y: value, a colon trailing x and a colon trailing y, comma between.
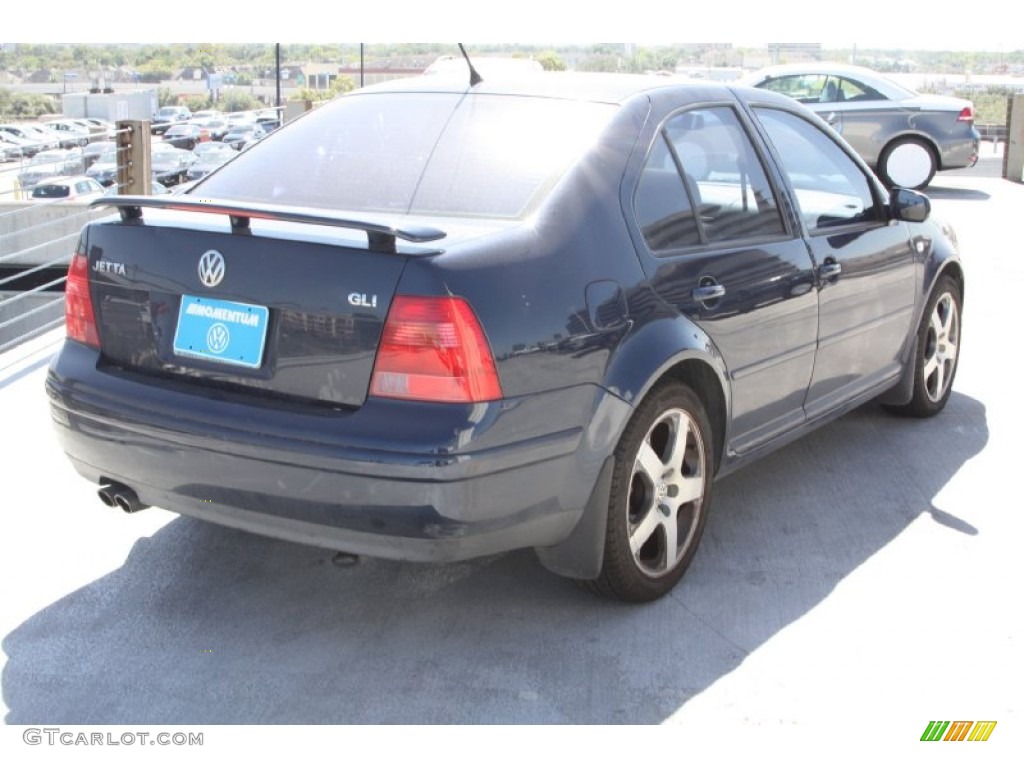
x: 865, y: 262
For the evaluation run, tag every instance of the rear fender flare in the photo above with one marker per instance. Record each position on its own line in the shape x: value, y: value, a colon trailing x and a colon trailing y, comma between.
x: 648, y: 353
x: 646, y: 357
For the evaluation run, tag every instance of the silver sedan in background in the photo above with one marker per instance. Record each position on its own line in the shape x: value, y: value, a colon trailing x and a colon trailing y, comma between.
x: 905, y: 136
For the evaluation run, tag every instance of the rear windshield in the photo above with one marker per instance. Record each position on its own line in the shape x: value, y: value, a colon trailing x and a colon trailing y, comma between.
x: 50, y: 190
x: 423, y: 153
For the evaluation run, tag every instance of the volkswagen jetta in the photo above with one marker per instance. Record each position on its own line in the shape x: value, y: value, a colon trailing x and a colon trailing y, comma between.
x: 434, y: 320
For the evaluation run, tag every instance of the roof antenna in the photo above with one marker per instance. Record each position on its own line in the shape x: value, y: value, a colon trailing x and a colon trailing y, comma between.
x: 474, y: 76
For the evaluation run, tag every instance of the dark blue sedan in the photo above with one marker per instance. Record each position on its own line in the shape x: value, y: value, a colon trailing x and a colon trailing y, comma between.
x: 433, y: 321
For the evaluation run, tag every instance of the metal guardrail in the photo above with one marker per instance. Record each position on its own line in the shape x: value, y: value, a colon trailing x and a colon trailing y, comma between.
x: 37, y: 237
x: 993, y: 133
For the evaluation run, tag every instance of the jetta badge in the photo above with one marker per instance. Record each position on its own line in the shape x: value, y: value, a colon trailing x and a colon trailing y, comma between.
x: 211, y: 269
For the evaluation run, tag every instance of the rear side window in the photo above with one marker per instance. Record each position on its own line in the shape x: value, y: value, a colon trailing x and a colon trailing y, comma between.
x: 703, y: 182
x: 431, y: 153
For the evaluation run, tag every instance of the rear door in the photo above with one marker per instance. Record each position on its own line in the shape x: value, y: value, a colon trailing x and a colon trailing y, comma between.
x: 719, y: 249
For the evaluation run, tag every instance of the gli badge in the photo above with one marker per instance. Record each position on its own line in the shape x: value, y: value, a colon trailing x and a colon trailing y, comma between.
x: 362, y: 300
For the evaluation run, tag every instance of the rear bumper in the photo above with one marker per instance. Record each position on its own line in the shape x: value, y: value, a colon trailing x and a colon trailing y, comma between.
x: 962, y: 153
x: 392, y: 479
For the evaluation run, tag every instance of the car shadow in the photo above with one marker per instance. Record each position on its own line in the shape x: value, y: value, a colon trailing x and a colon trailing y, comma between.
x: 202, y: 624
x: 956, y: 193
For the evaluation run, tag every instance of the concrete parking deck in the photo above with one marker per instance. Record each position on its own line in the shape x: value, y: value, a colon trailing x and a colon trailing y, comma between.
x: 850, y: 589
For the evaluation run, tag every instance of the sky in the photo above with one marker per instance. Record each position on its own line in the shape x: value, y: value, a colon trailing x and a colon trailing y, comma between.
x: 874, y: 23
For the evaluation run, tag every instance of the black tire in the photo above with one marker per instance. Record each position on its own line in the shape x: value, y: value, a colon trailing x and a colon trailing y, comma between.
x: 938, y: 351
x: 661, y: 485
x: 909, y: 163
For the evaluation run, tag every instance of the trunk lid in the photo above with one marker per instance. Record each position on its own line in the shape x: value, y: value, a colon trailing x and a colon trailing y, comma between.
x: 281, y: 309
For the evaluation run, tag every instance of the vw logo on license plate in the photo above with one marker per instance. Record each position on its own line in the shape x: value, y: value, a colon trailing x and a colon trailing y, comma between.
x: 218, y: 338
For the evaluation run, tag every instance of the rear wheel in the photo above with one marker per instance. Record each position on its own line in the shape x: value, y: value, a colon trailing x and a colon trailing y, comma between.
x: 938, y: 351
x: 661, y: 489
x: 909, y: 163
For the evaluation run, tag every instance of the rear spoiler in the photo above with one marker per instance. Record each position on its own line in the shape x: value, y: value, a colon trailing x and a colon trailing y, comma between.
x: 380, y: 237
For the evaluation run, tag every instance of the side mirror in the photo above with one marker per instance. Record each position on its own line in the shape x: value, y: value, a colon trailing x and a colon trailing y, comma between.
x: 908, y: 205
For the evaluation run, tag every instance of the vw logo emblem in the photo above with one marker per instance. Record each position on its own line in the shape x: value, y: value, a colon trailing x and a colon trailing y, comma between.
x: 211, y: 268
x: 218, y: 338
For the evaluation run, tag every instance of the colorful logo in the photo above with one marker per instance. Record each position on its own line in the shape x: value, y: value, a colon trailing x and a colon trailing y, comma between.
x: 958, y: 730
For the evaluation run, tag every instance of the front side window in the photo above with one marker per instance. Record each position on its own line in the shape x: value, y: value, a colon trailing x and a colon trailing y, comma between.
x: 805, y: 88
x: 819, y: 88
x: 831, y: 189
x: 703, y: 182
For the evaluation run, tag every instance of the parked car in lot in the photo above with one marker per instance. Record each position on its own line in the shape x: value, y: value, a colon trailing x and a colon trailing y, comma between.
x: 101, y: 129
x: 905, y: 136
x: 241, y: 136
x: 93, y: 151
x: 79, y: 189
x: 71, y: 134
x: 170, y: 165
x: 211, y: 160
x: 36, y: 139
x: 165, y: 117
x: 212, y: 128
x: 52, y: 162
x: 104, y: 168
x: 269, y: 120
x: 12, y: 147
x: 27, y: 147
x: 183, y: 136
x: 434, y: 321
x: 156, y: 188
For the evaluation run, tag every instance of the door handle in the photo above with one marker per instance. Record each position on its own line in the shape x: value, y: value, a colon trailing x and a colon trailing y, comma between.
x: 707, y: 293
x: 830, y: 269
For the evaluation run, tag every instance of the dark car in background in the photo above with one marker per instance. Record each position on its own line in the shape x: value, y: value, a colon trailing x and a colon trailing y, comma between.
x: 269, y: 120
x: 435, y: 320
x: 104, y: 168
x: 905, y: 136
x: 170, y: 165
x: 183, y: 136
x: 241, y: 136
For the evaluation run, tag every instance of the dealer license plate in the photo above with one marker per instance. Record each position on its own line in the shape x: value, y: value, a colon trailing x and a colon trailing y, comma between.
x: 224, y: 331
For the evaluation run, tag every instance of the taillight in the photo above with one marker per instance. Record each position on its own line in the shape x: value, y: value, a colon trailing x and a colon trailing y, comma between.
x: 966, y: 114
x: 78, y: 313
x: 433, y: 348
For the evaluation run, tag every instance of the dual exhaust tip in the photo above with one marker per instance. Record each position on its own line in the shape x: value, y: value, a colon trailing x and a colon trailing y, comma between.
x: 119, y: 495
